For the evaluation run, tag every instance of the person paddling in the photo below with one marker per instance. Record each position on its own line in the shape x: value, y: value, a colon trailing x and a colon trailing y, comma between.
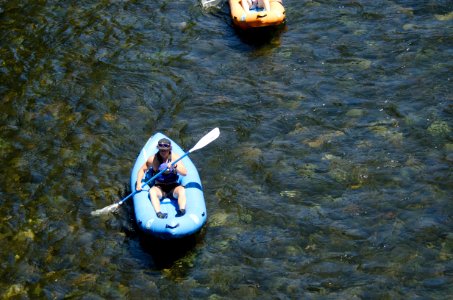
x: 167, y: 183
x: 253, y: 4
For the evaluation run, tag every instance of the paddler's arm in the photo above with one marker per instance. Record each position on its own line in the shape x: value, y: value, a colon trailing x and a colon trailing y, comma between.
x: 142, y: 171
x: 180, y: 168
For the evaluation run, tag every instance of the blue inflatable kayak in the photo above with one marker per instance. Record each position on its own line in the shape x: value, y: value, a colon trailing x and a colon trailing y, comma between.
x: 171, y: 227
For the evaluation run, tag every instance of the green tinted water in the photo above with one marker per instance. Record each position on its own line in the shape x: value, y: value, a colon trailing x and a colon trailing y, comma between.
x: 331, y: 177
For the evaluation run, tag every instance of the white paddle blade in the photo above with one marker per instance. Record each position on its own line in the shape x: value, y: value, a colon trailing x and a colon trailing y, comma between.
x: 106, y: 210
x: 210, y: 3
x: 211, y: 136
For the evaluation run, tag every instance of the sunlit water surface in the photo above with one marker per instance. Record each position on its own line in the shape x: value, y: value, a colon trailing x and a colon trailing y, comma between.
x: 331, y: 178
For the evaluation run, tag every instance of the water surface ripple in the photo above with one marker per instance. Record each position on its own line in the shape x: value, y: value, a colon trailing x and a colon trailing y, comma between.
x: 331, y: 178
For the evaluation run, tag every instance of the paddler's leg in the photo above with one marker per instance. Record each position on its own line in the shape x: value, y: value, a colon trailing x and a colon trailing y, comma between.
x: 180, y: 193
x: 155, y: 194
x: 245, y: 5
x: 266, y: 5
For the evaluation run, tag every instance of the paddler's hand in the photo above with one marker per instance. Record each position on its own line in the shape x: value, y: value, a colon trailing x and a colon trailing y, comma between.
x: 138, y: 187
x: 163, y: 167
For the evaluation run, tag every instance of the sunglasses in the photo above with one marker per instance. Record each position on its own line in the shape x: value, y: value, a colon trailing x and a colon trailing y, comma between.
x: 164, y: 145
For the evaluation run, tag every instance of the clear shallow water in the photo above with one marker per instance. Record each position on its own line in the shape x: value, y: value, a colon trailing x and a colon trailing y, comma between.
x: 331, y: 177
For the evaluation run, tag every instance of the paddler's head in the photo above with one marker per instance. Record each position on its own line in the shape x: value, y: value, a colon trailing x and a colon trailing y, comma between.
x: 164, y: 145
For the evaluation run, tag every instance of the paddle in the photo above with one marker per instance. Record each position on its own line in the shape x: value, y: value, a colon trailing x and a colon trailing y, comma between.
x: 208, y: 138
x: 209, y: 3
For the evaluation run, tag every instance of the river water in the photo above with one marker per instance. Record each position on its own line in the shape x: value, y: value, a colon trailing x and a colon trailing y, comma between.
x: 331, y: 177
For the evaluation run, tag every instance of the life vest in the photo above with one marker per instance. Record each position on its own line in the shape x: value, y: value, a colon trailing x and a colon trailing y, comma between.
x: 166, y: 177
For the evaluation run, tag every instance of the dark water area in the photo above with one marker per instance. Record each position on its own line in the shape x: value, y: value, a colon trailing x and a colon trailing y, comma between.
x: 331, y: 178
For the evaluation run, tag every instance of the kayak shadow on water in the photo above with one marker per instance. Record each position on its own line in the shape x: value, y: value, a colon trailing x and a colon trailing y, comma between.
x: 164, y: 253
x: 261, y: 36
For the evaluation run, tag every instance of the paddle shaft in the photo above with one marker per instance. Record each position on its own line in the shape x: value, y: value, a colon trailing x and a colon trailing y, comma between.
x: 154, y: 177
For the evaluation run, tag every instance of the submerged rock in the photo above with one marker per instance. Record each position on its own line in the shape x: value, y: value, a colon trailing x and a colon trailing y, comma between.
x: 306, y: 170
x: 355, y: 113
x: 409, y: 26
x: 298, y: 129
x: 218, y: 220
x: 389, y: 134
x: 439, y: 128
x: 445, y: 17
x: 14, y: 291
x: 5, y: 147
x: 325, y: 138
x: 26, y: 234
x: 252, y: 153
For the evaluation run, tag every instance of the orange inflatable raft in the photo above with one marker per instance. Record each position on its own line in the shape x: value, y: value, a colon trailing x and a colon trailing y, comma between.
x: 257, y: 18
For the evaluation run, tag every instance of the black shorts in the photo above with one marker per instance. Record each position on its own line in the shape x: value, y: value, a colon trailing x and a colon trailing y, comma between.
x: 167, y: 188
